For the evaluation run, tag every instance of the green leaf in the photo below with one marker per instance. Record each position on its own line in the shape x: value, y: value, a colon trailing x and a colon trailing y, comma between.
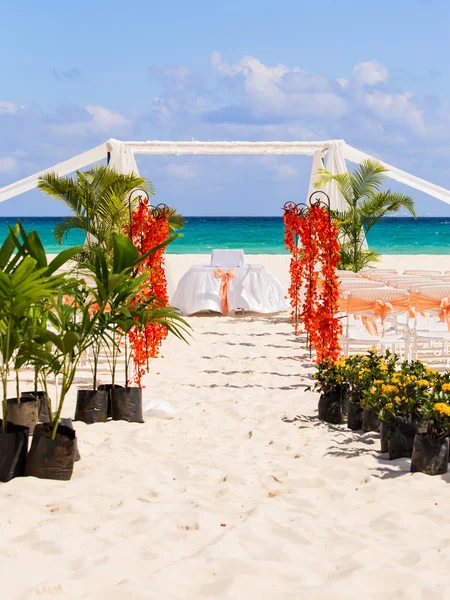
x: 62, y: 258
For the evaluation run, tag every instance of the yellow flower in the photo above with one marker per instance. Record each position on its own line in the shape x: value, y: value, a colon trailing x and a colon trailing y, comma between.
x: 378, y: 382
x: 383, y: 367
x: 389, y: 389
x: 442, y: 408
x: 397, y: 400
x: 339, y: 379
x: 395, y: 380
x: 446, y: 387
x: 389, y: 405
x: 423, y: 383
x: 373, y: 390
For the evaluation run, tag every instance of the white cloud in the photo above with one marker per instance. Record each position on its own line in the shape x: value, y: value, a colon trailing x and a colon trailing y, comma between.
x: 94, y: 119
x: 181, y: 171
x: 8, y: 108
x: 370, y: 73
x: 8, y: 165
x: 284, y: 172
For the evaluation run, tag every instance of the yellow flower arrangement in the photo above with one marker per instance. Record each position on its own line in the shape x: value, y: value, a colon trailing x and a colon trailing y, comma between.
x: 446, y: 387
x: 442, y: 408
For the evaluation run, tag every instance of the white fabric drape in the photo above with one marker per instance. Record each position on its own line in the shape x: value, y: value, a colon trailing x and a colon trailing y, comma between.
x: 356, y: 156
x: 316, y: 165
x: 122, y: 158
x: 61, y: 169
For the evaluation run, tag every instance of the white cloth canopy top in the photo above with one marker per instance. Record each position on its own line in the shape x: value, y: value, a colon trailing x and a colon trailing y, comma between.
x: 122, y: 160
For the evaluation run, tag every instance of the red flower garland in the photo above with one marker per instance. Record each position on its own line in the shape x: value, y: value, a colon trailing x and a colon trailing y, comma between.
x: 315, y: 264
x: 147, y: 231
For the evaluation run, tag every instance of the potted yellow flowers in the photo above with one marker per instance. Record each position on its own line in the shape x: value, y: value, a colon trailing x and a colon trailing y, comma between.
x: 430, y: 450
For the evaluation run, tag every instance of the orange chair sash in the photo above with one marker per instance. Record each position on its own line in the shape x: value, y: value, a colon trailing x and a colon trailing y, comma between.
x: 223, y: 291
x: 378, y: 308
x: 421, y: 304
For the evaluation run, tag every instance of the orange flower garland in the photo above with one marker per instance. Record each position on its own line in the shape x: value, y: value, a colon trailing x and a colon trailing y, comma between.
x: 147, y: 229
x: 316, y: 260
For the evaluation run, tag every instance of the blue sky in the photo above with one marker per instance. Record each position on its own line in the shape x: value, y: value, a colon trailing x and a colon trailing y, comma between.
x: 75, y: 74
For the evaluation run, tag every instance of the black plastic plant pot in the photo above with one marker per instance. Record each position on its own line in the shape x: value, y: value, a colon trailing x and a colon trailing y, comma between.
x: 108, y: 387
x: 429, y: 455
x: 126, y: 404
x: 67, y: 422
x: 92, y: 406
x: 384, y: 429
x: 24, y: 413
x: 401, y: 434
x: 354, y: 417
x: 329, y: 407
x: 13, y: 451
x: 345, y: 394
x: 370, y: 421
x: 43, y: 416
x: 52, y: 459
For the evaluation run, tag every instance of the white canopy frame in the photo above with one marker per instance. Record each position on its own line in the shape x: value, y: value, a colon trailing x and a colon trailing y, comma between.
x: 121, y: 158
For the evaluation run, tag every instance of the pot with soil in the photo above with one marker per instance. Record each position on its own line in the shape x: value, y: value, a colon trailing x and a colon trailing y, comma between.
x: 370, y: 420
x: 384, y: 430
x: 401, y: 434
x: 52, y: 458
x: 92, y: 406
x: 329, y: 407
x: 44, y: 403
x: 345, y: 394
x: 355, y: 411
x: 13, y: 450
x: 126, y: 404
x: 429, y: 455
x: 67, y: 421
x: 24, y: 412
x: 107, y: 387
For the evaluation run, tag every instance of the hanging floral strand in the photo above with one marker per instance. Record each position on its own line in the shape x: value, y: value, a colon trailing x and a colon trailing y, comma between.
x: 314, y: 265
x: 148, y: 227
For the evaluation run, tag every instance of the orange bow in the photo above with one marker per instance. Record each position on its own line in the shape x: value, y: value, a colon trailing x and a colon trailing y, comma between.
x: 444, y: 312
x: 223, y: 291
x: 378, y: 308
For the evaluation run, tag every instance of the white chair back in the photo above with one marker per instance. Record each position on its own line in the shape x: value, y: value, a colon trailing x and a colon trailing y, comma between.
x: 227, y: 258
x: 425, y: 272
x: 347, y: 284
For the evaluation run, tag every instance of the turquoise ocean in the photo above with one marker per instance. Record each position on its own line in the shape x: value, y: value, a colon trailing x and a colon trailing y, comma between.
x: 264, y: 235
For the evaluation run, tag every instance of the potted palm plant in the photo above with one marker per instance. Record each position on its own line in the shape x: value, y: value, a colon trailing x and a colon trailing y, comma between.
x: 365, y: 204
x: 23, y: 285
x: 114, y: 289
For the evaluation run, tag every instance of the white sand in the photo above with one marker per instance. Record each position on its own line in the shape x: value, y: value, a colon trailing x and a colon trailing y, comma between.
x: 229, y: 500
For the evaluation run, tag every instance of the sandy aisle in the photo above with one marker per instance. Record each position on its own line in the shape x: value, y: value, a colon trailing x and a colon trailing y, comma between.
x: 230, y: 499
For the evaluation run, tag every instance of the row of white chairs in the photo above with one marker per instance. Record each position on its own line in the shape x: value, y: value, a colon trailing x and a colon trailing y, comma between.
x: 424, y: 336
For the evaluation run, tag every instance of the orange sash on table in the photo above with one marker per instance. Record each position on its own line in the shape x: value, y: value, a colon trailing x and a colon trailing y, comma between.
x: 378, y: 308
x: 223, y: 291
x: 421, y: 304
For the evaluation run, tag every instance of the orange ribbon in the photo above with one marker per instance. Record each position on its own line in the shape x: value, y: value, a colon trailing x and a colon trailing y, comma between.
x: 379, y: 309
x: 420, y: 303
x: 223, y: 291
x: 444, y: 312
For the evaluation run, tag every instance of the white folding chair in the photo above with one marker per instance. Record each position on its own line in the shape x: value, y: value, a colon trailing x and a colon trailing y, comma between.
x: 356, y: 332
x: 429, y: 332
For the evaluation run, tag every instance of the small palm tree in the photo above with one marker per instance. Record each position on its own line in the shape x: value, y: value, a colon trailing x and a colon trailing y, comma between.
x: 366, y: 205
x: 101, y: 201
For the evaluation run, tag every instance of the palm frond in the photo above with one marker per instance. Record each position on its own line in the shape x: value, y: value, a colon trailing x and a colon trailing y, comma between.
x: 367, y: 178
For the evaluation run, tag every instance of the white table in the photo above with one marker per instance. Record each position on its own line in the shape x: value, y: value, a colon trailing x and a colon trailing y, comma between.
x: 252, y: 288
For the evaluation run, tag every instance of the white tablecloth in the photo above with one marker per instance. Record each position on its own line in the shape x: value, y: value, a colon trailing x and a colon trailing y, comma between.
x: 253, y: 288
